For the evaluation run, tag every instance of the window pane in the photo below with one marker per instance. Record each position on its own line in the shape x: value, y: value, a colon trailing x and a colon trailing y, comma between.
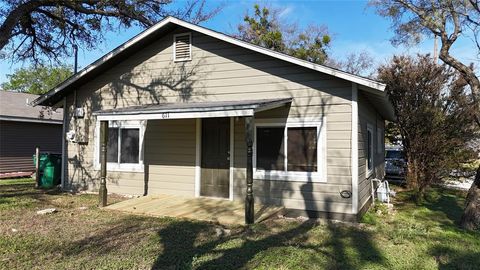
x: 270, y: 154
x: 112, y: 146
x: 302, y: 149
x: 369, y: 149
x: 129, y: 145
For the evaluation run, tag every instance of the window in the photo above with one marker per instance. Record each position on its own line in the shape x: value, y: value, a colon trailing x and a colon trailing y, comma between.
x: 270, y: 148
x: 290, y: 151
x: 125, y: 146
x: 369, y: 150
x: 380, y: 141
x: 182, y: 47
x: 112, y: 145
x: 302, y: 149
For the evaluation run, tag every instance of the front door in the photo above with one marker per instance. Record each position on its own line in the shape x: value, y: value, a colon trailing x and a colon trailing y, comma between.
x: 215, y: 174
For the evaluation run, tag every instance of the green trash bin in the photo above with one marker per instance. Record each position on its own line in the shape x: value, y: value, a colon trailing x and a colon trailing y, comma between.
x: 50, y: 167
x: 43, y: 161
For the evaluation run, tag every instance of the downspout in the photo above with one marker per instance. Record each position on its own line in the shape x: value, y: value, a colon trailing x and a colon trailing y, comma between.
x: 354, y: 146
x: 74, y: 112
x: 75, y: 69
x: 64, y: 144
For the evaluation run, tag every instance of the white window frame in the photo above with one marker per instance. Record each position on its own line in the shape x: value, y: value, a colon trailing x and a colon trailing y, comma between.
x: 319, y: 176
x: 189, y: 34
x: 380, y: 141
x: 122, y: 167
x: 369, y: 172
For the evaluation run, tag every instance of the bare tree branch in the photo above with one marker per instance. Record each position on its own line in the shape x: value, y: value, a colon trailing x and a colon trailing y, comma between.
x: 52, y: 27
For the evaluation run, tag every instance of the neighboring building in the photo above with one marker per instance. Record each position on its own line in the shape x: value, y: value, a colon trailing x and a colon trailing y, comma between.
x: 22, y: 129
x: 177, y: 97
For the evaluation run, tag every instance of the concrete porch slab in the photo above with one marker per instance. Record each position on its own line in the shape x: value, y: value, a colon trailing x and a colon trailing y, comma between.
x: 206, y: 209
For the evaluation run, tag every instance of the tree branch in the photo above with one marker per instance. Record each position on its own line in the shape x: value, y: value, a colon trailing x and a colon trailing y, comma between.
x: 49, y: 24
x: 8, y: 25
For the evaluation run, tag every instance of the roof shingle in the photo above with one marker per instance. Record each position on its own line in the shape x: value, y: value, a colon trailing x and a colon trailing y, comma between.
x: 15, y: 105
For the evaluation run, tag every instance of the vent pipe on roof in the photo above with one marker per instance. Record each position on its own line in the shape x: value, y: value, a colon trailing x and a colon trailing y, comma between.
x: 75, y: 54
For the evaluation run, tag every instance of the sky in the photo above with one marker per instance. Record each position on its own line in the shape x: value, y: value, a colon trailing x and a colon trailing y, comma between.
x: 353, y: 25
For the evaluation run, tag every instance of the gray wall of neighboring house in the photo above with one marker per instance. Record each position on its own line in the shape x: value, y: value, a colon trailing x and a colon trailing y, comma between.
x: 368, y: 116
x: 18, y: 141
x: 218, y: 71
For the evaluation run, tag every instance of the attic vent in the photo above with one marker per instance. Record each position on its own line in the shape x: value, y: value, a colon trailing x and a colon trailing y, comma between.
x: 183, y: 47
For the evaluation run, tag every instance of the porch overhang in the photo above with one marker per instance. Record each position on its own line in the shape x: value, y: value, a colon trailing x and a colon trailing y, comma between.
x: 191, y: 110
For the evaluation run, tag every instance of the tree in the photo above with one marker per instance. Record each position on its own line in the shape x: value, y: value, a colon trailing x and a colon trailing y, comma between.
x: 432, y: 105
x: 32, y: 29
x: 448, y: 20
x: 262, y: 29
x: 361, y: 63
x: 310, y: 44
x: 36, y: 80
x: 265, y: 29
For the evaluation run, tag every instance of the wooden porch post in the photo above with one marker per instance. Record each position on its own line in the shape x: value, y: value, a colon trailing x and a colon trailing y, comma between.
x: 102, y: 192
x: 249, y: 211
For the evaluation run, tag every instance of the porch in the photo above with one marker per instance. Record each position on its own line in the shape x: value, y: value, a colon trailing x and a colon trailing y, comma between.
x: 206, y: 209
x: 172, y: 166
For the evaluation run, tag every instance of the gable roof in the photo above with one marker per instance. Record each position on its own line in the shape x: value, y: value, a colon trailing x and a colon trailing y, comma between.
x: 14, y: 106
x: 114, y: 56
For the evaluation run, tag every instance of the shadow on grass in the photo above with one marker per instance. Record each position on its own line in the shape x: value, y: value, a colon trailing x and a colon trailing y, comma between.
x: 247, y: 249
x: 183, y: 244
x: 352, y: 248
x: 448, y: 258
x: 179, y: 249
x: 447, y: 202
x: 28, y: 190
x: 110, y: 239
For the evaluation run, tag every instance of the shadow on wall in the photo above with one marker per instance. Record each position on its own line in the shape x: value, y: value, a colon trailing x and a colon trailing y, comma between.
x: 184, y: 82
x: 179, y: 82
x: 81, y: 174
x: 314, y: 94
x: 312, y: 104
x: 307, y: 189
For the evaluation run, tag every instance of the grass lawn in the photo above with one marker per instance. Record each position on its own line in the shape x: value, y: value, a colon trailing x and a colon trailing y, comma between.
x: 413, y: 237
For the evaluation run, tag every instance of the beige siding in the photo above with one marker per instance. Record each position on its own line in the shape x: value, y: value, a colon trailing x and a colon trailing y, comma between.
x: 170, y: 157
x: 297, y: 194
x: 218, y: 71
x: 368, y: 116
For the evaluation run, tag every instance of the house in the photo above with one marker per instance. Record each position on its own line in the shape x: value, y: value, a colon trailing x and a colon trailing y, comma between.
x: 22, y: 129
x: 193, y: 112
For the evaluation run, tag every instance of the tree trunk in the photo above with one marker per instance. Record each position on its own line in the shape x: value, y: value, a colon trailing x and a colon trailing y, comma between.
x: 412, y: 174
x: 471, y: 215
